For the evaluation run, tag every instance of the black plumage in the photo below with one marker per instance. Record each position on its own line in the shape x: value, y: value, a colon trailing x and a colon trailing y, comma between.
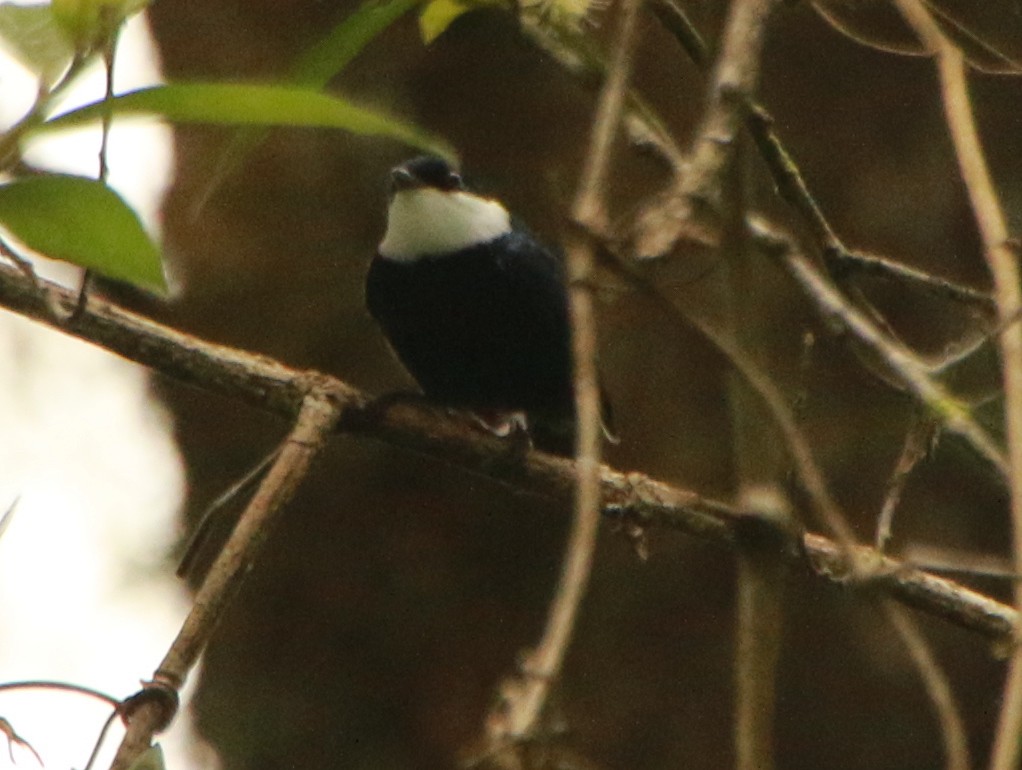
x: 483, y: 328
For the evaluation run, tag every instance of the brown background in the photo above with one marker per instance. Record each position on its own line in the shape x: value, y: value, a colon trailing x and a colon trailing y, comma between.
x: 399, y: 591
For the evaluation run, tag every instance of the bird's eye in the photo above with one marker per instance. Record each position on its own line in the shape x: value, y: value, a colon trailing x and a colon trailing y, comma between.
x: 454, y: 181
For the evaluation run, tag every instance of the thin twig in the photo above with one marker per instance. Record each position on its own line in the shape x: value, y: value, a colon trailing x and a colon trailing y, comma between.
x: 13, y: 739
x: 691, y: 209
x: 8, y: 515
x: 676, y: 21
x: 109, y: 56
x: 77, y: 689
x: 909, y: 370
x: 1002, y: 261
x: 919, y: 440
x: 268, y: 385
x: 101, y: 739
x: 952, y: 729
x: 10, y: 139
x: 523, y: 705
x: 793, y: 189
x: 843, y: 262
x: 109, y: 61
x: 320, y: 411
x: 198, y: 539
x: 735, y: 80
x: 958, y: 561
x: 46, y: 684
x: 823, y: 505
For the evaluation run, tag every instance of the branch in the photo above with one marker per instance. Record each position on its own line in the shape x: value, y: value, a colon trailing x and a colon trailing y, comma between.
x: 911, y: 372
x: 1002, y: 260
x: 809, y: 473
x: 956, y: 744
x: 919, y: 442
x: 792, y: 187
x: 842, y: 262
x: 523, y: 701
x: 629, y: 497
x: 915, y: 588
x: 760, y: 461
x: 691, y: 209
x: 152, y: 709
x: 721, y: 169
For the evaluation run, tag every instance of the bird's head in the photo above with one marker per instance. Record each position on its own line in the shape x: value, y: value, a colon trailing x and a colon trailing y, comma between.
x: 425, y: 172
x: 432, y: 213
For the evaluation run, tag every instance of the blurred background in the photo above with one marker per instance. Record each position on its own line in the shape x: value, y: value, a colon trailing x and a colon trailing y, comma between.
x: 399, y: 591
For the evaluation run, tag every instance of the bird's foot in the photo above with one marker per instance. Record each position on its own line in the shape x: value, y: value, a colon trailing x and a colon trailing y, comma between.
x: 511, y: 426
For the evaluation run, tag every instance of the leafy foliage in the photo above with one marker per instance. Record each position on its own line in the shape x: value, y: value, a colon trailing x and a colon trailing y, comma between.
x: 334, y: 52
x: 250, y: 105
x: 437, y: 16
x: 33, y: 37
x: 81, y: 221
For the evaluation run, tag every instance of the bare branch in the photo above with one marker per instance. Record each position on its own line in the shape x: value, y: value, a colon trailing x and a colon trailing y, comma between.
x: 523, y: 700
x: 691, y: 210
x: 13, y: 739
x: 919, y: 441
x: 101, y: 739
x: 824, y: 506
x: 147, y: 715
x: 958, y: 561
x: 956, y: 744
x: 792, y: 187
x: 630, y: 497
x: 46, y: 684
x: 1002, y: 260
x: 915, y: 588
x: 762, y: 576
x: 908, y: 369
x: 843, y: 262
x: 676, y: 21
x: 761, y: 466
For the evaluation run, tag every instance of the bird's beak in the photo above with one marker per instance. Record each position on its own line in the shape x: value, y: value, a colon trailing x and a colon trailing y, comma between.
x: 402, y: 179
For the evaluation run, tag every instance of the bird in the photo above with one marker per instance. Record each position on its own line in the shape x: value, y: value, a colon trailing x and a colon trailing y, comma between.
x: 474, y: 306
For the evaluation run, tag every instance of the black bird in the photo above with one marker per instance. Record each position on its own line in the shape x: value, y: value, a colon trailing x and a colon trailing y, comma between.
x: 473, y: 306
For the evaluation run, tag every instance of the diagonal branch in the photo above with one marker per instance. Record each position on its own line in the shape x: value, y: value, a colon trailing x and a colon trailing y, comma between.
x: 632, y: 497
x: 1002, y: 259
x: 956, y: 744
x: 911, y: 372
x: 152, y: 709
x: 809, y: 473
x: 840, y: 260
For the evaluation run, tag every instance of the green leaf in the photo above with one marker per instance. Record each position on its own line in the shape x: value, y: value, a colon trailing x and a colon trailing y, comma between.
x: 31, y: 34
x: 251, y: 105
x: 150, y: 759
x: 317, y: 66
x: 437, y: 16
x: 82, y: 221
x: 89, y: 23
x: 314, y: 69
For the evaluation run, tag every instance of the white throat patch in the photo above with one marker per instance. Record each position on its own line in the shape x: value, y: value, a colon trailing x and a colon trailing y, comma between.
x: 426, y: 221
